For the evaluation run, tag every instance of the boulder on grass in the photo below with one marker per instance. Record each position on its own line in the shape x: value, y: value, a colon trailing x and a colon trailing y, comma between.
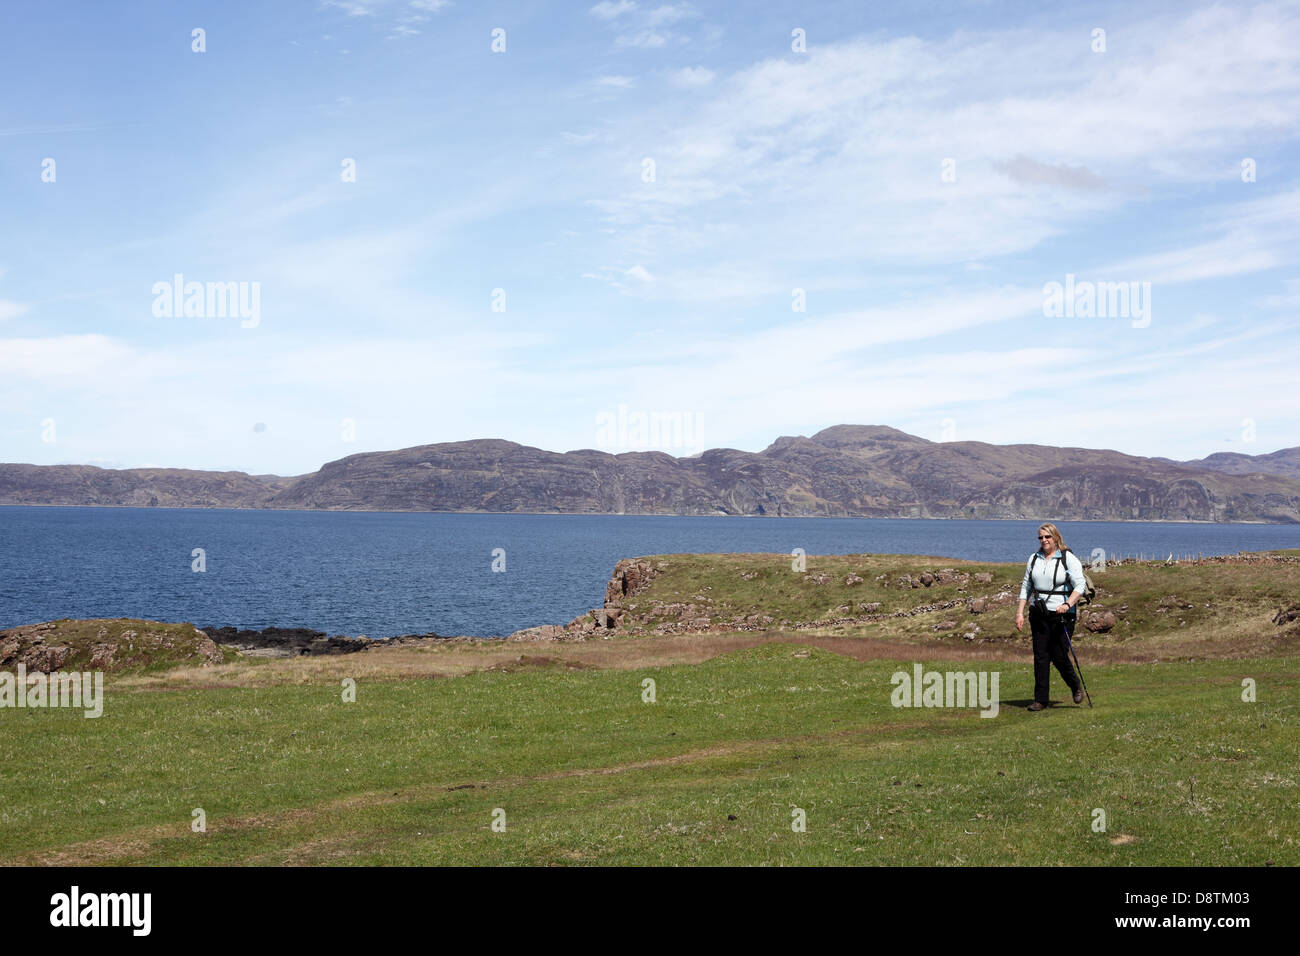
x: 1099, y: 622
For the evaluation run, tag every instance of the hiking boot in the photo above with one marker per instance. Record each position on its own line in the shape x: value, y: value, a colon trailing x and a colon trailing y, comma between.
x: 1078, y: 695
x: 1037, y: 705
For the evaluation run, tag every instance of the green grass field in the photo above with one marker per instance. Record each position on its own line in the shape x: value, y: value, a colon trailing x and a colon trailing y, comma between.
x: 586, y: 772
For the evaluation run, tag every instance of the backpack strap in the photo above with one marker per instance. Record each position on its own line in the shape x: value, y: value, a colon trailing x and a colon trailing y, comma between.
x: 1060, y: 564
x: 1086, y: 595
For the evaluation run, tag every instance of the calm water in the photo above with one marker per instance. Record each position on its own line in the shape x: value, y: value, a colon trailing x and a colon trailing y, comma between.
x: 386, y: 574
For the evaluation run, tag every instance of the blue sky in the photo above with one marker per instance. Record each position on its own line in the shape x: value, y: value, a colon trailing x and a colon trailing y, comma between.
x: 523, y: 170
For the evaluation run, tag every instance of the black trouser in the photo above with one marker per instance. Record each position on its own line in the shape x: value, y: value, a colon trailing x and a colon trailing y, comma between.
x: 1049, y: 630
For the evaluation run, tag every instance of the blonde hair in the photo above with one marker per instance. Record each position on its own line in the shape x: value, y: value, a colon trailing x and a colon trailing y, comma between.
x: 1055, y: 533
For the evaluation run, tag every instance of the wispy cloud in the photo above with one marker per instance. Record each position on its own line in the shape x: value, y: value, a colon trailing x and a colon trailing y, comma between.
x: 691, y: 77
x: 8, y: 308
x: 644, y: 27
x: 838, y: 155
x: 624, y: 209
x: 403, y: 17
x: 357, y: 8
x: 612, y: 9
x: 11, y: 310
x: 56, y: 128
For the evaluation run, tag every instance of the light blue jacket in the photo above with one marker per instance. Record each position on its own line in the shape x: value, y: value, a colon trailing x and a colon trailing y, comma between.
x: 1049, y: 575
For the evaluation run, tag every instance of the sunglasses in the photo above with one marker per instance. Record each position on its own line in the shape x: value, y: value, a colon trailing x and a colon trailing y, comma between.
x: 1044, y: 537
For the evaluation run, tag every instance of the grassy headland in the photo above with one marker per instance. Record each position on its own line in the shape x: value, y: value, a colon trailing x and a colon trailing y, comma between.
x: 751, y: 723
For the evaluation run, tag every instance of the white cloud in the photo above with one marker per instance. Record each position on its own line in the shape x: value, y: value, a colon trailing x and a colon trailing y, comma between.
x: 670, y: 13
x: 194, y: 405
x: 821, y: 172
x: 403, y: 20
x: 645, y: 39
x: 76, y: 362
x: 1289, y: 299
x: 836, y: 156
x: 1234, y: 254
x: 8, y: 308
x: 648, y: 27
x: 356, y: 8
x: 691, y: 77
x: 368, y: 8
x: 607, y: 10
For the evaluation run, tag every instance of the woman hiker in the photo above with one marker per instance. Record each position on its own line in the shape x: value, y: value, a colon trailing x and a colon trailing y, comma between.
x: 1049, y: 572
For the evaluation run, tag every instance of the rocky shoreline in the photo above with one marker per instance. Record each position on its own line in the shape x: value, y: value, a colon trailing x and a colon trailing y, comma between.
x: 112, y: 643
x: 631, y: 576
x: 303, y: 641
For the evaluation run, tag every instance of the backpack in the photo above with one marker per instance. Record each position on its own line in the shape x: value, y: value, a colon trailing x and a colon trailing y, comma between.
x: 1089, y: 590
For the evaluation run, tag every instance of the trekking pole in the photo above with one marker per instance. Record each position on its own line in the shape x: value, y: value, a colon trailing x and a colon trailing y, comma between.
x: 1070, y: 644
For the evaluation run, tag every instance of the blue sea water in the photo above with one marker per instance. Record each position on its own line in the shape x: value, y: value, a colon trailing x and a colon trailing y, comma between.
x: 383, y: 574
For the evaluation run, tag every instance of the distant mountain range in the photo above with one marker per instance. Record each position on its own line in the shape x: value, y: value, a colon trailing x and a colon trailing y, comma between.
x: 846, y: 470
